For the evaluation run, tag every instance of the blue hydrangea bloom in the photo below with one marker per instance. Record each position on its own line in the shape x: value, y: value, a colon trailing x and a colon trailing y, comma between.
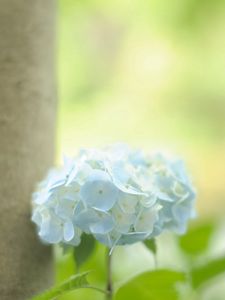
x: 119, y: 195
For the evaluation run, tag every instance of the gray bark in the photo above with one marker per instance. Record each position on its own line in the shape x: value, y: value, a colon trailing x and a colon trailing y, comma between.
x: 27, y: 124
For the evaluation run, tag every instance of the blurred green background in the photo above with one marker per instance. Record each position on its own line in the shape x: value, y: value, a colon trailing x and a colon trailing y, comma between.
x: 150, y: 73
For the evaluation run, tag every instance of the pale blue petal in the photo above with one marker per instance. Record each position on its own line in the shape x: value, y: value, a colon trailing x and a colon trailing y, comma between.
x: 178, y: 168
x: 120, y: 171
x: 165, y: 197
x: 65, y: 208
x: 123, y: 221
x: 99, y: 192
x: 146, y: 219
x: 131, y: 238
x: 80, y: 207
x: 104, y: 239
x: 75, y: 241
x: 42, y: 196
x: 36, y: 216
x: 128, y: 202
x: 127, y: 188
x: 121, y: 174
x: 137, y: 158
x: 79, y: 173
x: 68, y: 231
x: 94, y: 221
x: 84, y: 219
x: 182, y: 211
x: 103, y: 225
x: 51, y: 229
x: 109, y: 239
x: 149, y: 200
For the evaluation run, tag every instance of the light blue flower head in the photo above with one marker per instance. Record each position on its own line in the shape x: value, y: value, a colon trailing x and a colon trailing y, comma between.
x: 120, y: 196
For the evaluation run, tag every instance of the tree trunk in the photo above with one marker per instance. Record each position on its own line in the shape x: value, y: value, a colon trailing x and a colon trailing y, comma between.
x: 27, y: 124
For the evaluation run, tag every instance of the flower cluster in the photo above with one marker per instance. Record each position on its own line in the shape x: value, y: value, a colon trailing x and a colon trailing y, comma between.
x: 120, y: 196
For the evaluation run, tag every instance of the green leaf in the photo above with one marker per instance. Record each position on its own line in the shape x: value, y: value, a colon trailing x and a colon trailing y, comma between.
x: 84, y: 250
x: 64, y: 264
x: 151, y: 245
x: 74, y: 282
x: 154, y: 285
x: 203, y: 274
x: 197, y: 239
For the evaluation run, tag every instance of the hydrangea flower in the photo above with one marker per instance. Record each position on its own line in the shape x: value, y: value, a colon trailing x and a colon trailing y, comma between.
x: 119, y: 195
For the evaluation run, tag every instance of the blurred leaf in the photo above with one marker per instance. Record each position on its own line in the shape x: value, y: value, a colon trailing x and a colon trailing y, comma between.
x: 74, y: 282
x: 197, y: 239
x: 84, y: 250
x: 64, y: 264
x: 202, y: 274
x: 151, y: 245
x: 155, y: 285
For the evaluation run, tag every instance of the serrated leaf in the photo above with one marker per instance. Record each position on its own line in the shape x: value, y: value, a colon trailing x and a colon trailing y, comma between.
x: 74, y: 282
x: 197, y: 239
x: 151, y: 245
x: 203, y: 274
x: 84, y: 250
x: 154, y: 285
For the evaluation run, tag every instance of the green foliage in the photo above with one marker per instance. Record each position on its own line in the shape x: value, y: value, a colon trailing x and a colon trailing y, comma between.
x: 152, y: 285
x: 210, y: 270
x: 197, y: 239
x: 84, y: 250
x: 65, y: 264
x: 74, y: 282
x: 100, y: 43
x: 151, y: 245
x: 155, y: 285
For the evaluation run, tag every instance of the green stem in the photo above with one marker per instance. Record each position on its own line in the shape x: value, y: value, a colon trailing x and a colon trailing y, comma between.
x: 109, y: 285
